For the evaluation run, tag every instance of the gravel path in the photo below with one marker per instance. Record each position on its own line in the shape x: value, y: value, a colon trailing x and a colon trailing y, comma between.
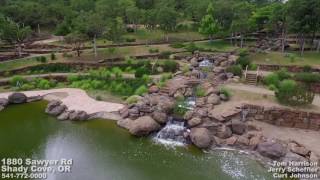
x: 74, y: 99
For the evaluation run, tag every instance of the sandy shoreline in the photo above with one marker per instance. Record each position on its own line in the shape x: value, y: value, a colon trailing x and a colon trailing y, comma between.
x: 76, y: 99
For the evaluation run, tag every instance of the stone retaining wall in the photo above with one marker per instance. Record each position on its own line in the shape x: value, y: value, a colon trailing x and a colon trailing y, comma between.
x: 274, y: 67
x: 281, y: 116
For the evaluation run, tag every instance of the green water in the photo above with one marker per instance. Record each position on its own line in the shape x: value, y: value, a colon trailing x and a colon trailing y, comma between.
x: 102, y: 151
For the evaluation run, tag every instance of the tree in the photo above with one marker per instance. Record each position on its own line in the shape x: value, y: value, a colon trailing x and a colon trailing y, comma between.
x: 208, y: 25
x: 115, y: 29
x: 167, y: 20
x: 13, y: 33
x: 304, y: 19
x: 240, y: 23
x: 92, y: 25
x: 76, y: 39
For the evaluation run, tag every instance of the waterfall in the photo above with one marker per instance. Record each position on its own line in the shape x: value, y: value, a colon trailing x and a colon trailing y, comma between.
x: 244, y: 114
x: 173, y: 133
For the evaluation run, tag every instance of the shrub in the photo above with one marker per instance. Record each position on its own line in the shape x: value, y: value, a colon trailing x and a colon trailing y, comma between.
x: 283, y: 74
x: 307, y: 68
x: 244, y: 62
x: 132, y: 99
x: 131, y: 39
x: 177, y: 45
x: 117, y: 72
x: 72, y: 78
x: 141, y: 90
x: 153, y: 50
x: 41, y: 59
x: 170, y: 66
x: 141, y: 71
x: 235, y: 70
x: 200, y: 92
x: 165, y: 54
x: 272, y: 87
x: 180, y: 107
x: 253, y: 67
x: 98, y: 98
x: 191, y: 47
x: 225, y: 92
x: 185, y: 68
x: 26, y: 87
x: 307, y: 77
x: 43, y: 84
x: 290, y: 93
x: 17, y: 81
x: 243, y: 52
x: 271, y: 79
x: 165, y: 77
x: 53, y: 56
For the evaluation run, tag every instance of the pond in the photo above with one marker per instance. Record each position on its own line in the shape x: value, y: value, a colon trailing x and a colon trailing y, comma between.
x: 101, y: 150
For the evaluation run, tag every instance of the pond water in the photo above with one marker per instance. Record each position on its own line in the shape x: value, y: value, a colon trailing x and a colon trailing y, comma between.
x: 102, y: 151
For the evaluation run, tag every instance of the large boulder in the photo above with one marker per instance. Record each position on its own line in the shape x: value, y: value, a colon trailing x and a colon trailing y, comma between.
x: 194, y: 122
x: 271, y: 149
x: 55, y: 108
x: 200, y: 137
x: 160, y: 117
x: 143, y: 126
x: 64, y: 116
x: 224, y: 132
x: 153, y: 89
x: 125, y: 123
x: 78, y: 115
x: 213, y: 99
x: 17, y: 98
x: 4, y: 102
x: 238, y: 127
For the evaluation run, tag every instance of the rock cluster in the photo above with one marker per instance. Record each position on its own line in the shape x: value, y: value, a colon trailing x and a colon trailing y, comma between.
x: 17, y: 98
x: 58, y: 109
x: 267, y: 44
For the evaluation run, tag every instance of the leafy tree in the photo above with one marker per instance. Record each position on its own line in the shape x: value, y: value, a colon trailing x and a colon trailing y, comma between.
x: 13, y: 33
x: 209, y: 26
x: 76, y: 39
x: 115, y: 29
x: 167, y: 20
x: 92, y: 25
x: 304, y: 18
x: 240, y: 23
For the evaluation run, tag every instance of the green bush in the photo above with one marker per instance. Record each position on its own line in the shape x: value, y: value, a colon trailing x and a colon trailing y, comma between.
x: 271, y: 79
x: 200, y: 92
x: 243, y: 52
x: 141, y: 90
x: 17, y: 81
x: 141, y: 71
x: 235, y: 70
x: 170, y: 66
x: 191, y: 47
x: 130, y: 39
x: 290, y: 93
x: 165, y: 54
x: 72, y: 78
x: 153, y: 50
x: 244, y: 61
x: 307, y: 68
x: 180, y: 108
x: 43, y: 84
x: 117, y: 72
x: 307, y: 77
x: 165, y: 77
x: 53, y: 56
x: 225, y: 92
x: 283, y: 74
x: 253, y: 67
x: 132, y: 99
x: 177, y: 45
x: 26, y: 87
x: 41, y: 59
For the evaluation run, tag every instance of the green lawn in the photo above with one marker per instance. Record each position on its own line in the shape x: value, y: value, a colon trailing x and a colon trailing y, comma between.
x: 87, y: 55
x: 293, y: 58
x: 218, y: 45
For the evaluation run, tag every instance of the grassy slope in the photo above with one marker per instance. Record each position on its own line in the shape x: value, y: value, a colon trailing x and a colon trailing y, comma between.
x: 309, y: 58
